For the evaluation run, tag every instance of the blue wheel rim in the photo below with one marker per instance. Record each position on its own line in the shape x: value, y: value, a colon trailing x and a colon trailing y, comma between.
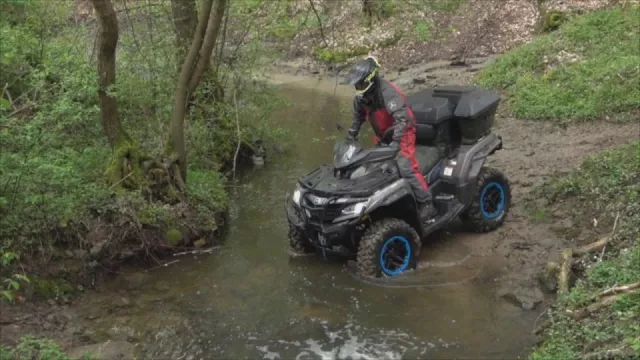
x: 492, y: 200
x: 395, y: 243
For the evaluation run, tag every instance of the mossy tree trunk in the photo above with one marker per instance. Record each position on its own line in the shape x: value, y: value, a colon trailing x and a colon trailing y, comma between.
x: 108, y: 41
x: 124, y: 167
x: 194, y: 66
x: 372, y: 9
x: 163, y: 178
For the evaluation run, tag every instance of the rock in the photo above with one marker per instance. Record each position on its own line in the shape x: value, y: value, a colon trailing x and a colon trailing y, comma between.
x: 80, y: 254
x: 109, y: 350
x: 525, y: 297
x: 431, y: 77
x: 97, y: 248
x: 419, y: 80
x: 402, y: 69
x: 200, y: 243
x: 134, y: 281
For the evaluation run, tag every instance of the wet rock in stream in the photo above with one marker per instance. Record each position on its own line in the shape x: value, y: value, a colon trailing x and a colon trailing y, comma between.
x: 525, y: 297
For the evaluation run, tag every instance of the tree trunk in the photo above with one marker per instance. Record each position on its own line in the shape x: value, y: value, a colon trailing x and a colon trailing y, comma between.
x: 193, y: 67
x: 108, y: 40
x: 185, y: 19
x: 371, y: 9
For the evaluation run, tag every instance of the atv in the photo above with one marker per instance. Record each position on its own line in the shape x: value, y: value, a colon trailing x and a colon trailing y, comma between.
x: 361, y: 206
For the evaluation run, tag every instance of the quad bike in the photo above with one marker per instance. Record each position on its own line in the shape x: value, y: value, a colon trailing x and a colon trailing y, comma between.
x: 361, y: 207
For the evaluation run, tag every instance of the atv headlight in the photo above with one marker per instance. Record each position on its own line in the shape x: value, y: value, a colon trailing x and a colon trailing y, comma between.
x: 296, y: 197
x: 355, y: 209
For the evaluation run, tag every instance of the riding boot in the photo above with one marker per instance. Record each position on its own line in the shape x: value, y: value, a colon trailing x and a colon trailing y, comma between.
x: 427, y: 210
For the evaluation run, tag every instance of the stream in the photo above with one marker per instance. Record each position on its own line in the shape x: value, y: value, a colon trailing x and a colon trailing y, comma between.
x: 250, y: 299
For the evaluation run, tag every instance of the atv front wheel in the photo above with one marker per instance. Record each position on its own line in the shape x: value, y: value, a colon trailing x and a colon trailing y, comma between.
x: 298, y: 243
x: 492, y: 201
x: 389, y: 247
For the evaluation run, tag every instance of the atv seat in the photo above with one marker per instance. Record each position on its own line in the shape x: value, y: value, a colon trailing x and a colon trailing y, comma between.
x: 428, y: 157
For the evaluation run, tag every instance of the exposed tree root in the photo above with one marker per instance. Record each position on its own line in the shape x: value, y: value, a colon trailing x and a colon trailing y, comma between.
x: 159, y: 178
x: 630, y: 288
x: 618, y: 353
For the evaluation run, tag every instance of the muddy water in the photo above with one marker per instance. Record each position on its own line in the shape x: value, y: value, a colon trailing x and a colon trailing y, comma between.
x: 249, y: 299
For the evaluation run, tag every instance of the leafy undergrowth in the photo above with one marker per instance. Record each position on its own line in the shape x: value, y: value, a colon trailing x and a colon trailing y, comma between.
x: 60, y: 221
x: 585, y: 70
x: 608, y: 184
x: 31, y: 347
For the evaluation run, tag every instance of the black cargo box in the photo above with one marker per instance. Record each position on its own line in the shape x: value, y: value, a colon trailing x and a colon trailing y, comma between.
x: 475, y: 109
x: 429, y: 109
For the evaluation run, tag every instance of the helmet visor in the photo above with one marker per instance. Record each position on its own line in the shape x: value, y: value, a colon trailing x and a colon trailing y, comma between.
x: 362, y: 86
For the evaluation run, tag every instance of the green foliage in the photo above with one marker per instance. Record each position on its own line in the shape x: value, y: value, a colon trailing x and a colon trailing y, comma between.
x: 339, y: 56
x: 10, y: 281
x: 552, y: 20
x: 606, y: 183
x: 585, y: 70
x: 54, y: 152
x: 34, y: 348
x: 423, y: 30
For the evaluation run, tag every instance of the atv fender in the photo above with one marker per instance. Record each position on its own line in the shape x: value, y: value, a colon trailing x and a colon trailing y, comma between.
x: 388, y: 195
x: 470, y: 160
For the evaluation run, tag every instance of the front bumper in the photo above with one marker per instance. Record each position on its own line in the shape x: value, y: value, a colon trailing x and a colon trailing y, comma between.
x: 332, y: 237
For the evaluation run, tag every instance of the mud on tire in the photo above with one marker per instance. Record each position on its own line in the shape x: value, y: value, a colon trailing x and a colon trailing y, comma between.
x: 298, y: 243
x: 381, y: 235
x: 491, y: 203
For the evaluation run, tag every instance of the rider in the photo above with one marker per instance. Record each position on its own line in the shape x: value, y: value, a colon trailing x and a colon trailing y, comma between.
x: 384, y: 105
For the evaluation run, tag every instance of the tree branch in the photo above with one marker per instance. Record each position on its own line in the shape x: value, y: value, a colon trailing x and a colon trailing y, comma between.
x: 211, y: 36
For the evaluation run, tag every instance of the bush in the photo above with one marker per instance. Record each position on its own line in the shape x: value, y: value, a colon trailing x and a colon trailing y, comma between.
x: 53, y: 187
x: 34, y: 348
x: 585, y: 70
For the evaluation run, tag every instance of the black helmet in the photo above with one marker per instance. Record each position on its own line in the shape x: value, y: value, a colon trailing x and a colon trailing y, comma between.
x: 363, y: 75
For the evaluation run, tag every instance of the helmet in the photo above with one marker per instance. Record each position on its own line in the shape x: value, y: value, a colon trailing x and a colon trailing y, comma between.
x: 363, y: 75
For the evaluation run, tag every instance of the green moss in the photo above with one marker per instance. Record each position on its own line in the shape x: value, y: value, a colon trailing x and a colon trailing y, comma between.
x: 339, y: 56
x: 51, y: 289
x: 173, y: 237
x: 552, y: 20
x: 585, y: 70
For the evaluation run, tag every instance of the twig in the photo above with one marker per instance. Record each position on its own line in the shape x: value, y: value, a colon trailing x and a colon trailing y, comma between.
x: 17, y: 111
x: 235, y: 157
x: 608, y: 354
x: 604, y: 247
x: 195, y: 252
x: 620, y: 289
x: 5, y: 90
x: 313, y: 7
x: 538, y: 318
x: 161, y: 265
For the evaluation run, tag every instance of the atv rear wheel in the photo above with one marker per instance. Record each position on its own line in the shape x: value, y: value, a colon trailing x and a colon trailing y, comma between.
x: 491, y: 203
x: 388, y: 247
x: 298, y: 243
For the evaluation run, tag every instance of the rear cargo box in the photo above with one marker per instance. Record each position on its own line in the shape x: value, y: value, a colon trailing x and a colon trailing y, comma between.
x: 429, y: 109
x: 475, y: 109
